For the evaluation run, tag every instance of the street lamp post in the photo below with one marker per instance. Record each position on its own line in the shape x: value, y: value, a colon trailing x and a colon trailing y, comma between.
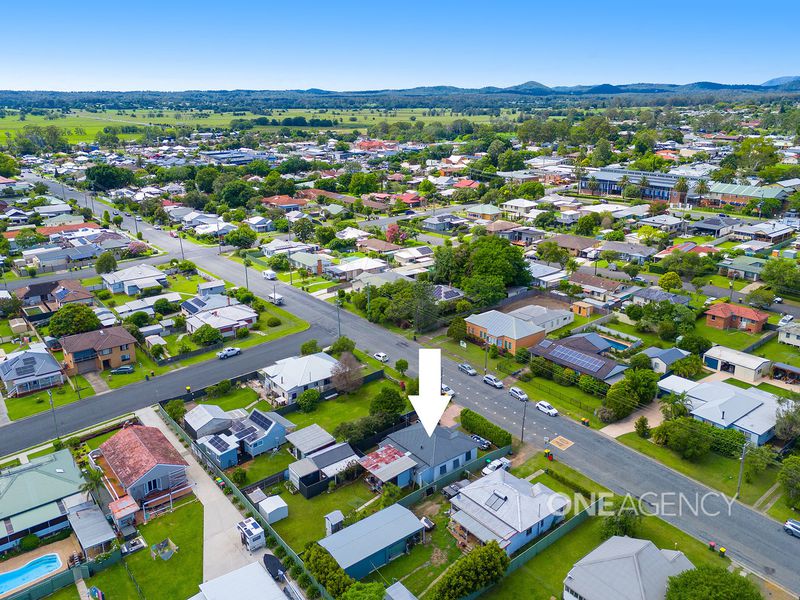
x: 486, y: 357
x: 246, y: 264
x: 338, y: 317
x: 524, y: 412
x: 180, y: 241
x: 730, y: 290
x: 53, y: 411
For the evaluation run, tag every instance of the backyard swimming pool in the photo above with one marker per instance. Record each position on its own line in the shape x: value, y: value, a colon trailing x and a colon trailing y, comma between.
x: 38, y: 567
x: 616, y: 344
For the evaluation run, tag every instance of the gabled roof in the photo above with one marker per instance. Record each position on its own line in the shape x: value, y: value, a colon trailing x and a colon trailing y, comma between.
x: 666, y: 355
x: 429, y: 451
x: 623, y: 568
x: 135, y: 450
x: 311, y: 438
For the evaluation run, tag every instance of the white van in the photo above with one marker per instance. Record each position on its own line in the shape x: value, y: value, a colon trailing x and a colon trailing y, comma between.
x: 269, y: 274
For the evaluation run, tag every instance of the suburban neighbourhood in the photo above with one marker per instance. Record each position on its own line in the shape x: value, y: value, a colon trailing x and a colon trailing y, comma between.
x: 220, y: 308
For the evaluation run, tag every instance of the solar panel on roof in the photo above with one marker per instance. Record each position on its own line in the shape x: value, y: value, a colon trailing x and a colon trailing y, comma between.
x: 29, y: 360
x: 261, y: 420
x: 495, y: 501
x: 245, y: 432
x: 218, y: 443
x: 584, y: 361
x: 25, y: 370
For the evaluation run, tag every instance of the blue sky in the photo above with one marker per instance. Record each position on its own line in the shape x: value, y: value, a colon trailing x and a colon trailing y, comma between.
x: 345, y: 45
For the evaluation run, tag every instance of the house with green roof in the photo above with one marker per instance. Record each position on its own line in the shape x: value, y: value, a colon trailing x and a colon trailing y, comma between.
x: 36, y: 498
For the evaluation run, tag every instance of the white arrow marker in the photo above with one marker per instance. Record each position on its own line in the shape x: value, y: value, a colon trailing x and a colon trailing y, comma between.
x: 430, y: 403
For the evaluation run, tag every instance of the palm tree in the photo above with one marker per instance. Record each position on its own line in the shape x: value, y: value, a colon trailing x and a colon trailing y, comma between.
x: 701, y: 189
x: 93, y: 481
x: 674, y: 406
x: 571, y: 266
x: 623, y: 182
x: 681, y: 187
x: 593, y: 184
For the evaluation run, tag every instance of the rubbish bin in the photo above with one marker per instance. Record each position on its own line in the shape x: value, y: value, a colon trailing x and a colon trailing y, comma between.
x: 722, y: 551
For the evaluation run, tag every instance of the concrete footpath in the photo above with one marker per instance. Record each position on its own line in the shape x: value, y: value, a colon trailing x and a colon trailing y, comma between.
x: 222, y: 548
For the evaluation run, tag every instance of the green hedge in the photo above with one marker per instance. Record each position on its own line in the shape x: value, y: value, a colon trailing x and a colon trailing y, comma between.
x: 475, y: 423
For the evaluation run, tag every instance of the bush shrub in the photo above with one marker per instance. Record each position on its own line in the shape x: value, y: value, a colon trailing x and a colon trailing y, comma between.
x: 605, y: 414
x: 304, y: 581
x: 280, y: 552
x: 103, y: 294
x: 642, y: 427
x: 273, y: 322
x: 30, y: 542
x: 475, y: 423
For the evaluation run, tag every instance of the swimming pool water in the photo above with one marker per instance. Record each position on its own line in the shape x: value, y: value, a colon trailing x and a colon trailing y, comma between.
x: 38, y: 567
x: 616, y: 344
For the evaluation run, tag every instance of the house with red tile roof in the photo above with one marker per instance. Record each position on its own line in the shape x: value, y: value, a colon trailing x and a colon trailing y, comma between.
x: 56, y: 229
x: 143, y: 464
x: 410, y: 198
x: 285, y: 202
x: 735, y: 316
x: 467, y: 183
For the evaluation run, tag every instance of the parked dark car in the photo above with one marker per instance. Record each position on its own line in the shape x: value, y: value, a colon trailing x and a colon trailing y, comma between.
x: 450, y: 491
x: 123, y: 370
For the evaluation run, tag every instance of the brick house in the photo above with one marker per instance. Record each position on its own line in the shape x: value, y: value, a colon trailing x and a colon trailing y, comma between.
x: 98, y: 350
x: 734, y: 316
x: 504, y: 331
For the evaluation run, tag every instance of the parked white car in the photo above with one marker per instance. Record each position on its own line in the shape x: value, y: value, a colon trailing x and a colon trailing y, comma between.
x: 228, y: 352
x: 498, y: 463
x: 493, y: 381
x: 448, y: 391
x: 785, y: 320
x: 269, y: 274
x: 518, y: 393
x: 381, y: 357
x: 546, y: 408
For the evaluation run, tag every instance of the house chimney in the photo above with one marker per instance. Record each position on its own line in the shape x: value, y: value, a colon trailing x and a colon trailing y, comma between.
x: 723, y: 415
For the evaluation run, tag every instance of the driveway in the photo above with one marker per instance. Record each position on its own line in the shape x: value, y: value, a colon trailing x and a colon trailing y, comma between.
x: 222, y: 548
x: 654, y: 417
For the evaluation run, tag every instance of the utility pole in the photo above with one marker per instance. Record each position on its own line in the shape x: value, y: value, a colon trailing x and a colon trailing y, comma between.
x: 53, y: 411
x: 180, y: 241
x: 246, y: 282
x: 524, y: 412
x: 338, y: 316
x: 741, y: 470
x: 486, y: 357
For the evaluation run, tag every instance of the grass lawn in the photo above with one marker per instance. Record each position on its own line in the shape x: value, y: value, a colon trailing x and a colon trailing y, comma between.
x: 781, y: 511
x: 542, y: 577
x: 569, y: 400
x: 778, y: 352
x: 648, y: 338
x: 175, y: 578
x: 5, y: 329
x: 732, y: 338
x: 265, y: 465
x: 144, y: 365
x: 727, y: 245
x: 539, y: 462
x: 724, y: 282
x: 472, y: 354
x: 426, y: 561
x: 96, y: 280
x: 373, y: 364
x: 239, y: 397
x: 349, y: 306
x: 306, y: 521
x: 95, y: 442
x: 25, y: 406
x: 343, y: 408
x: 12, y: 463
x: 44, y: 452
x: 698, y: 239
x: 579, y: 320
x: 713, y: 470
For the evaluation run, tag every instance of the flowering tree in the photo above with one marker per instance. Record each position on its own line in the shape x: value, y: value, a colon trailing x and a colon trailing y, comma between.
x: 394, y: 234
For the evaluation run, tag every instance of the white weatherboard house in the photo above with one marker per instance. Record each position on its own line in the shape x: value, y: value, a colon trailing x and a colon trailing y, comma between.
x: 623, y: 568
x: 741, y: 365
x: 506, y: 509
x: 290, y: 377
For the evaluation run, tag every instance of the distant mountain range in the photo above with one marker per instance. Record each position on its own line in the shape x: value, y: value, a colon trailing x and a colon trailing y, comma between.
x: 530, y: 93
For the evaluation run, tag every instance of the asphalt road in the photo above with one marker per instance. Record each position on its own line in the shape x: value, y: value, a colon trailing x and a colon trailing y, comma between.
x: 752, y: 539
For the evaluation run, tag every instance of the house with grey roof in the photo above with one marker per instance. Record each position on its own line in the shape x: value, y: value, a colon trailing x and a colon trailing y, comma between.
x: 628, y: 252
x: 662, y: 359
x: 27, y: 371
x: 503, y: 508
x: 548, y: 318
x: 437, y: 455
x: 290, y: 377
x: 313, y: 474
x: 134, y: 280
x: 37, y: 497
x: 655, y: 294
x: 308, y: 440
x: 717, y: 226
x: 359, y: 551
x: 544, y: 275
x: 624, y: 568
x: 583, y: 353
